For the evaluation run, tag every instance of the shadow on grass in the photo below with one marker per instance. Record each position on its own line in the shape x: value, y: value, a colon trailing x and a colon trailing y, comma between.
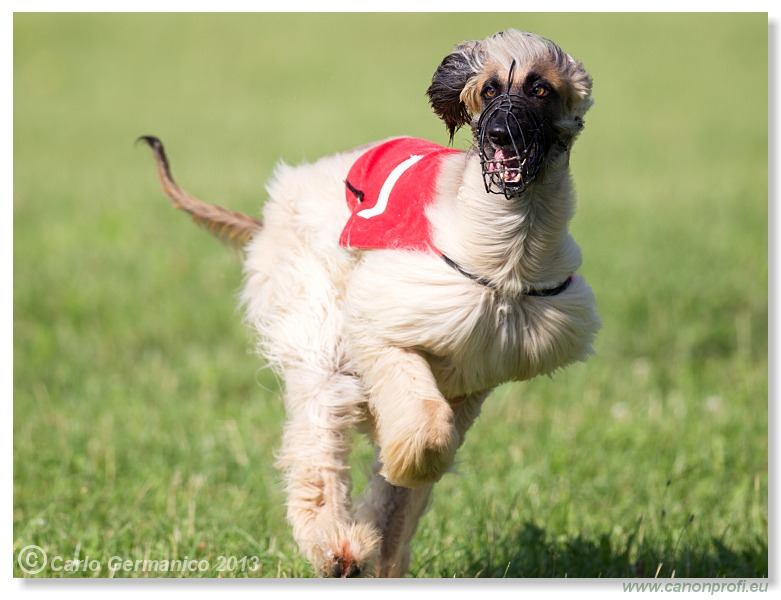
x: 533, y: 553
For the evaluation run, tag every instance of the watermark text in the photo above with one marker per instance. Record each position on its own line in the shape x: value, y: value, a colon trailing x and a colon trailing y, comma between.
x: 34, y: 559
x: 706, y: 587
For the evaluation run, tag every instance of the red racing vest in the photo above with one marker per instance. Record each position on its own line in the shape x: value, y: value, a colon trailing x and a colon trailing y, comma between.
x: 388, y: 189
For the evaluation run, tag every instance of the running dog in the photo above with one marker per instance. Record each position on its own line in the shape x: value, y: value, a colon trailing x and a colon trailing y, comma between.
x: 395, y: 285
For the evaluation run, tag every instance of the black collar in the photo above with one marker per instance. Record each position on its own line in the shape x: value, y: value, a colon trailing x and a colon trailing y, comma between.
x: 546, y: 292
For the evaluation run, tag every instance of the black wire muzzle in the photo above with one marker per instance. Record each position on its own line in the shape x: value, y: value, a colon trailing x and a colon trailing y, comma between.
x: 509, y: 167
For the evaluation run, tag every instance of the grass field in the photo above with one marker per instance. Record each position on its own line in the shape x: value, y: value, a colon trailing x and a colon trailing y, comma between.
x: 145, y: 428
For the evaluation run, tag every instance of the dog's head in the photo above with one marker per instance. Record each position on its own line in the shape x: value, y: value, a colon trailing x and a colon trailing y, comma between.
x: 524, y: 97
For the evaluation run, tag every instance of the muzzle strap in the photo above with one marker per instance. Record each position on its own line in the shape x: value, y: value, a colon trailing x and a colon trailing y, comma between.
x: 541, y: 293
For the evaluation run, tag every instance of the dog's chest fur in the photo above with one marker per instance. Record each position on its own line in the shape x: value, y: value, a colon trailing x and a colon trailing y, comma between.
x: 473, y: 337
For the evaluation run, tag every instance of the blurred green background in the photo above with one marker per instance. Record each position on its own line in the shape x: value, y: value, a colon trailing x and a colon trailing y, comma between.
x: 145, y: 428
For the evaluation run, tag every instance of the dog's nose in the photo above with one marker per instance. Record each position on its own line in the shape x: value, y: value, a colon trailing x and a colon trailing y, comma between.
x: 499, y: 136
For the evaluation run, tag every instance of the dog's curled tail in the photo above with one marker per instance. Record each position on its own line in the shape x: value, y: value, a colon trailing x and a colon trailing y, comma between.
x: 234, y: 228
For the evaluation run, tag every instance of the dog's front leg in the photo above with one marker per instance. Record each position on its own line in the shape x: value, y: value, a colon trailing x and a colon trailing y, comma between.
x: 395, y: 511
x: 315, y: 444
x: 414, y: 424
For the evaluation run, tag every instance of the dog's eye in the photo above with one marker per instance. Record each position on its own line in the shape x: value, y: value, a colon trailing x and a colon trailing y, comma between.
x: 540, y: 90
x: 489, y: 91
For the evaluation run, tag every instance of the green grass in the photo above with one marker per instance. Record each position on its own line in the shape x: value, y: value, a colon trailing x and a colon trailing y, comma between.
x: 145, y: 428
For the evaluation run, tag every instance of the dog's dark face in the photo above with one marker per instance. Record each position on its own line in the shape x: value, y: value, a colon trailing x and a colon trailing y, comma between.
x: 524, y: 97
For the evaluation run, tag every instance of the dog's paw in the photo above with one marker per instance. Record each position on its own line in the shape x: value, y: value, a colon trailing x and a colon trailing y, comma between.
x: 422, y: 451
x: 350, y: 551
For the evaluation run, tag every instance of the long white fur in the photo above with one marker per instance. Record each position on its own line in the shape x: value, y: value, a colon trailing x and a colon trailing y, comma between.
x: 397, y: 343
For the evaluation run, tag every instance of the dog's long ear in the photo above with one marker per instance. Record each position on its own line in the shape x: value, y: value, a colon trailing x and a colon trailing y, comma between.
x: 448, y: 82
x: 580, y: 86
x: 577, y: 99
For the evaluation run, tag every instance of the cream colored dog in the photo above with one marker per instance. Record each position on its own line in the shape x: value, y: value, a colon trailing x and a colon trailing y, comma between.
x: 395, y: 285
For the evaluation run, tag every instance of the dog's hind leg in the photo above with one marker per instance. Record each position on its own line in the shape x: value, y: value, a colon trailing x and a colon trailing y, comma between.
x: 313, y: 456
x: 395, y: 512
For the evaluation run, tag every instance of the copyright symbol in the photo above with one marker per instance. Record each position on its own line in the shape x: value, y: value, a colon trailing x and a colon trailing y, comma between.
x: 32, y: 559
